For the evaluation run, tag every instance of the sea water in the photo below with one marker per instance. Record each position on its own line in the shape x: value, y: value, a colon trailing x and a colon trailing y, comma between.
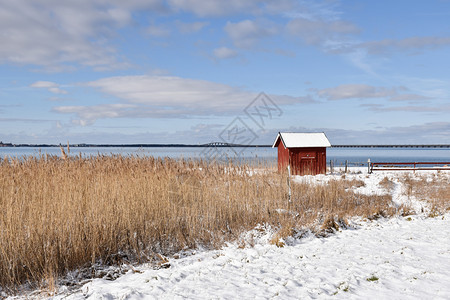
x: 354, y: 156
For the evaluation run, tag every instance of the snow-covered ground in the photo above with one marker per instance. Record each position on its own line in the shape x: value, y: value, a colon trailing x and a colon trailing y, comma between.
x: 372, y: 184
x: 399, y: 258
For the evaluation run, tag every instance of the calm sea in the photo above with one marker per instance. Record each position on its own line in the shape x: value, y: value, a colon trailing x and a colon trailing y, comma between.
x: 355, y: 156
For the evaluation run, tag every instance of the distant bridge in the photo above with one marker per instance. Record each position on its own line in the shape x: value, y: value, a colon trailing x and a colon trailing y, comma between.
x: 222, y: 144
x: 219, y: 144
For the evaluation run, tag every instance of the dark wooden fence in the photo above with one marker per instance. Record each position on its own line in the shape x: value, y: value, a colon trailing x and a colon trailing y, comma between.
x: 408, y: 166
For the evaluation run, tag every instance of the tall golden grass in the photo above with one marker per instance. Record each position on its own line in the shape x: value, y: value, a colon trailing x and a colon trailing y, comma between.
x: 59, y: 215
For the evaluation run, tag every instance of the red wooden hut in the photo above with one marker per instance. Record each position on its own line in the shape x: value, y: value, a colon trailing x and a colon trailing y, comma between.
x: 306, y: 153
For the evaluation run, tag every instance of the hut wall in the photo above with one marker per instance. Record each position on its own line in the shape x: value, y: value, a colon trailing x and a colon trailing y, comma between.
x: 283, y: 157
x: 307, y: 161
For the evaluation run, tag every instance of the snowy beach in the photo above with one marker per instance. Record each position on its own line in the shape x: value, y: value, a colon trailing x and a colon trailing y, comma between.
x: 404, y: 257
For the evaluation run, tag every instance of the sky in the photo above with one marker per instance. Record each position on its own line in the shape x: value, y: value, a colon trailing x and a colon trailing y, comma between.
x: 195, y: 71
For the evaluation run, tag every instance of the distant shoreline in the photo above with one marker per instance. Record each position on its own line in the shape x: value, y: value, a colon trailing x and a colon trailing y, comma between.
x: 9, y: 145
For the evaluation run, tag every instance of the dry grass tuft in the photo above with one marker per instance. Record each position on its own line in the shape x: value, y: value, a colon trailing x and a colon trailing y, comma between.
x: 60, y: 215
x: 354, y: 183
x: 285, y: 231
x: 387, y: 184
x: 406, y: 210
x: 278, y: 241
x: 434, y: 189
x: 329, y: 225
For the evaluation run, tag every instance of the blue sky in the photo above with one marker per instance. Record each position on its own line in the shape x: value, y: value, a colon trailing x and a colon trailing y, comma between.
x: 181, y: 71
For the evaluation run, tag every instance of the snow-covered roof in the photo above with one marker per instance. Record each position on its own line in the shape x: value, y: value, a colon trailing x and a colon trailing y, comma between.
x: 302, y: 139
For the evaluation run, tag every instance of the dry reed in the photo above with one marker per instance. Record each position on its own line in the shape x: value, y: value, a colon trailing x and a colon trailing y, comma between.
x: 60, y: 215
x: 434, y: 189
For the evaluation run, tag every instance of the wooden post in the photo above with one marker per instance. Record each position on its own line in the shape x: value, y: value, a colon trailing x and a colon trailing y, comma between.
x: 289, y: 183
x: 368, y: 167
x: 346, y: 166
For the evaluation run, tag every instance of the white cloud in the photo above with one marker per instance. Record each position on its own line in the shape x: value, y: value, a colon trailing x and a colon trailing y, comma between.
x: 57, y: 34
x: 408, y: 108
x: 89, y: 114
x: 224, y: 52
x: 349, y: 91
x: 217, y: 7
x: 313, y: 10
x: 56, y: 90
x: 409, y: 97
x: 50, y: 86
x: 364, y: 91
x: 366, y: 55
x: 427, y: 133
x: 167, y: 97
x: 214, y: 8
x: 320, y: 32
x: 174, y: 92
x: 158, y: 31
x: 424, y: 133
x: 44, y: 84
x: 360, y: 59
x: 190, y: 27
x: 207, y: 127
x: 66, y: 35
x: 432, y: 87
x: 409, y: 45
x: 246, y: 33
